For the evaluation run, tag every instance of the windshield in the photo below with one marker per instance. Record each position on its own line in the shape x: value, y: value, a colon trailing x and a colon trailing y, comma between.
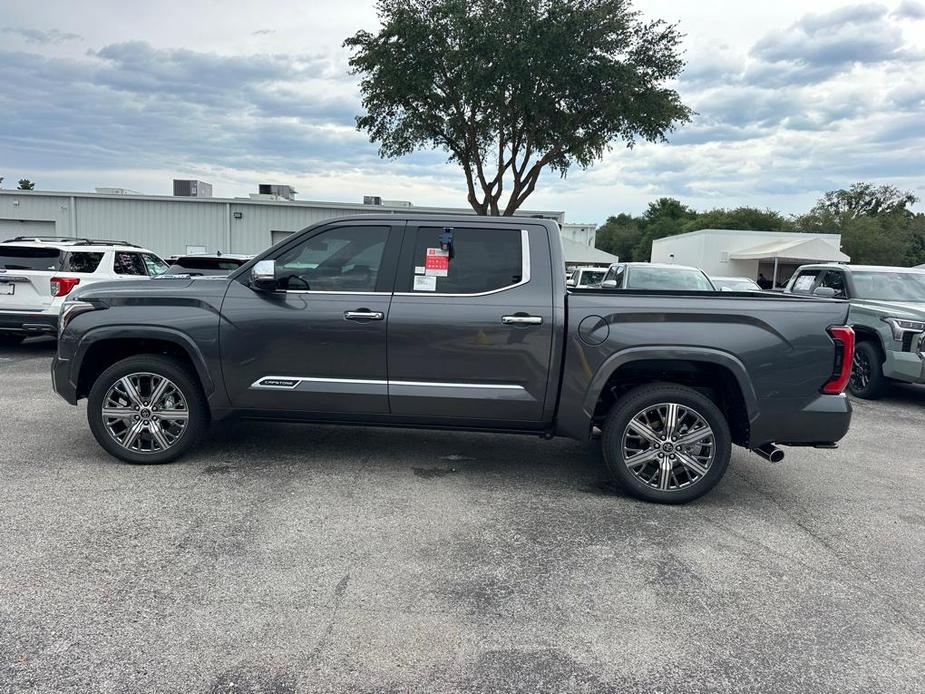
x: 666, y: 278
x: 890, y: 286
x: 591, y: 277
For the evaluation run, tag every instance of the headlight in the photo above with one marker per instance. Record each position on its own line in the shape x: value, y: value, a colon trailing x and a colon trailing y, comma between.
x: 900, y: 326
x: 70, y: 310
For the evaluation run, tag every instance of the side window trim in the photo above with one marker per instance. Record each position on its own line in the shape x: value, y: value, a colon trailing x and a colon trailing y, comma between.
x: 524, y: 263
x: 387, y: 264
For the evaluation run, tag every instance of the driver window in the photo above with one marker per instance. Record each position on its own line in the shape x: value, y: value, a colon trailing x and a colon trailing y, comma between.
x: 835, y: 280
x: 344, y: 259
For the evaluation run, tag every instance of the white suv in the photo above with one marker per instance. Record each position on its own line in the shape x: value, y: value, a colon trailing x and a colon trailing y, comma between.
x: 37, y: 274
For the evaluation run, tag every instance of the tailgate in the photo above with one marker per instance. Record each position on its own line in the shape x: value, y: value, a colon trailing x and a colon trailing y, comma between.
x: 25, y: 276
x: 25, y: 290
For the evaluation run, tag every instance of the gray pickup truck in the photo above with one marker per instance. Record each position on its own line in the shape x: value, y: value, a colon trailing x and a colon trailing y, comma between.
x: 458, y: 323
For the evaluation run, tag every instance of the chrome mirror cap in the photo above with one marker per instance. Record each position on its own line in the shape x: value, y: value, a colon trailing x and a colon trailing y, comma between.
x: 263, y: 275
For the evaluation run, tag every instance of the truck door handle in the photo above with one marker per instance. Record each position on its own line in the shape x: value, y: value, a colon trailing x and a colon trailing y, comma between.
x: 522, y: 319
x: 363, y: 314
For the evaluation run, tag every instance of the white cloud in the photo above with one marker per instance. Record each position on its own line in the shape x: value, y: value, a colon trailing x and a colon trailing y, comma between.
x: 789, y: 104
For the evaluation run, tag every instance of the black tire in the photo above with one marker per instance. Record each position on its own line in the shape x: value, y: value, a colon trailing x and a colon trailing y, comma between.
x: 11, y: 340
x: 165, y: 367
x: 867, y: 379
x: 639, y: 400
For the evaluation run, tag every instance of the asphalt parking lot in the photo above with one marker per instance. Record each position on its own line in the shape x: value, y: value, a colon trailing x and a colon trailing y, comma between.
x: 283, y: 558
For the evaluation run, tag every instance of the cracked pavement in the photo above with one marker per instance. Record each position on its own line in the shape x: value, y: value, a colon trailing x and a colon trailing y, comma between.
x: 288, y: 558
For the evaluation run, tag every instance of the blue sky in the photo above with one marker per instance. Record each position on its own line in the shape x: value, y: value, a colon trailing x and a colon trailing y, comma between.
x: 790, y: 103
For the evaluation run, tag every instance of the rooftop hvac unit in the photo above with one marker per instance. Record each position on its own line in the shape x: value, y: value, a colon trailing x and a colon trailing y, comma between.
x: 187, y: 188
x: 278, y: 191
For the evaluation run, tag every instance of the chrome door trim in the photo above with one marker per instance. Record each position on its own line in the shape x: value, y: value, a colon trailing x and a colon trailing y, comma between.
x: 524, y: 273
x: 293, y: 382
x: 313, y: 291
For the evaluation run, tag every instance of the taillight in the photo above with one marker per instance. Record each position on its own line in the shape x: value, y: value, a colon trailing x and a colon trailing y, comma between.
x: 843, y: 337
x: 62, y: 286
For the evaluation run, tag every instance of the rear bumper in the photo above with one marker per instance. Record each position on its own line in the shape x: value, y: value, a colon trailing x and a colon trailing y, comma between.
x: 824, y: 420
x: 28, y: 323
x: 61, y: 380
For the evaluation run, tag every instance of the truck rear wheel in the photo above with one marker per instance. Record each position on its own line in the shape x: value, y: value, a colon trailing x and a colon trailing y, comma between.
x: 666, y: 443
x: 147, y: 409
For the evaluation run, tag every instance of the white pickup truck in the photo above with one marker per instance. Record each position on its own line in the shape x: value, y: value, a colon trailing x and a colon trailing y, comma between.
x: 37, y: 274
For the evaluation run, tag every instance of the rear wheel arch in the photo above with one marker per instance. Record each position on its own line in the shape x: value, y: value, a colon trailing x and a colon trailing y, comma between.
x: 718, y: 375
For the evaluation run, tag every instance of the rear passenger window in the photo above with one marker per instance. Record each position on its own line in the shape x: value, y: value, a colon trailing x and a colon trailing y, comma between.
x: 129, y: 264
x: 82, y: 262
x: 480, y: 260
x: 804, y: 282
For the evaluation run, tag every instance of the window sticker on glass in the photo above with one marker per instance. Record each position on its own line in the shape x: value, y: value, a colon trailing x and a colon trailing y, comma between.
x: 804, y: 282
x: 425, y: 283
x: 418, y: 269
x: 437, y: 262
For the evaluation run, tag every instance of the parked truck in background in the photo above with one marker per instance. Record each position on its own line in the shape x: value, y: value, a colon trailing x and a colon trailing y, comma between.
x: 887, y: 312
x: 458, y: 323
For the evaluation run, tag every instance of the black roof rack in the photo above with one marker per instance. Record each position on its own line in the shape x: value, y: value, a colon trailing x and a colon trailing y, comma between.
x: 72, y: 240
x: 105, y: 242
x: 44, y: 239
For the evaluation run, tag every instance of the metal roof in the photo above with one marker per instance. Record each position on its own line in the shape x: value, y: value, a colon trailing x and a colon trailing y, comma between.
x: 360, y: 207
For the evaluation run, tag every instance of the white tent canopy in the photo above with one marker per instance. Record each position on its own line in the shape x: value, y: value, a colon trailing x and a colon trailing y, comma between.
x: 814, y: 250
x: 793, y: 251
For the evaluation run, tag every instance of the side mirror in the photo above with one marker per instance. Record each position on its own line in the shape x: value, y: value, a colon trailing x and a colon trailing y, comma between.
x: 263, y: 275
x: 609, y: 284
x: 826, y: 292
x: 570, y: 282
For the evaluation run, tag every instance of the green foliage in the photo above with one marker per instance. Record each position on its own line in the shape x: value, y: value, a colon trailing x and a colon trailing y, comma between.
x: 26, y: 184
x: 510, y: 88
x: 875, y: 222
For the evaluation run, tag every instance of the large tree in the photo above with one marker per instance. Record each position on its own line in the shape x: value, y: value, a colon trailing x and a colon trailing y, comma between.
x: 863, y: 199
x: 510, y: 88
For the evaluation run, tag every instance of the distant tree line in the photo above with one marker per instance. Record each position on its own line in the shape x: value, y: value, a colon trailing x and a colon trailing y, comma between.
x: 876, y: 223
x: 24, y: 184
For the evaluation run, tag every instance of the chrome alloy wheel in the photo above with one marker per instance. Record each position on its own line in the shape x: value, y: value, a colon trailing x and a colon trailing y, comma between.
x: 145, y: 412
x: 668, y: 446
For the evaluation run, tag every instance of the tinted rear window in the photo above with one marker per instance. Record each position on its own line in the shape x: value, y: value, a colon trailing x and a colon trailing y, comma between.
x: 82, y: 262
x: 29, y: 258
x: 209, y: 263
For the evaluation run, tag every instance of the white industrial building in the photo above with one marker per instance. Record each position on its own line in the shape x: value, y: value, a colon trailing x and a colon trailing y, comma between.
x: 194, y: 222
x: 738, y: 253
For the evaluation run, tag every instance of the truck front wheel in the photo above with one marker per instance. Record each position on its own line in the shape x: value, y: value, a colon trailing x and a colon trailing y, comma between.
x: 666, y: 443
x: 867, y: 379
x: 147, y: 409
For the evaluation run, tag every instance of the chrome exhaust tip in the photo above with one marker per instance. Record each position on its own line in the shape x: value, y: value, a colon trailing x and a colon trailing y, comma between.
x: 770, y: 452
